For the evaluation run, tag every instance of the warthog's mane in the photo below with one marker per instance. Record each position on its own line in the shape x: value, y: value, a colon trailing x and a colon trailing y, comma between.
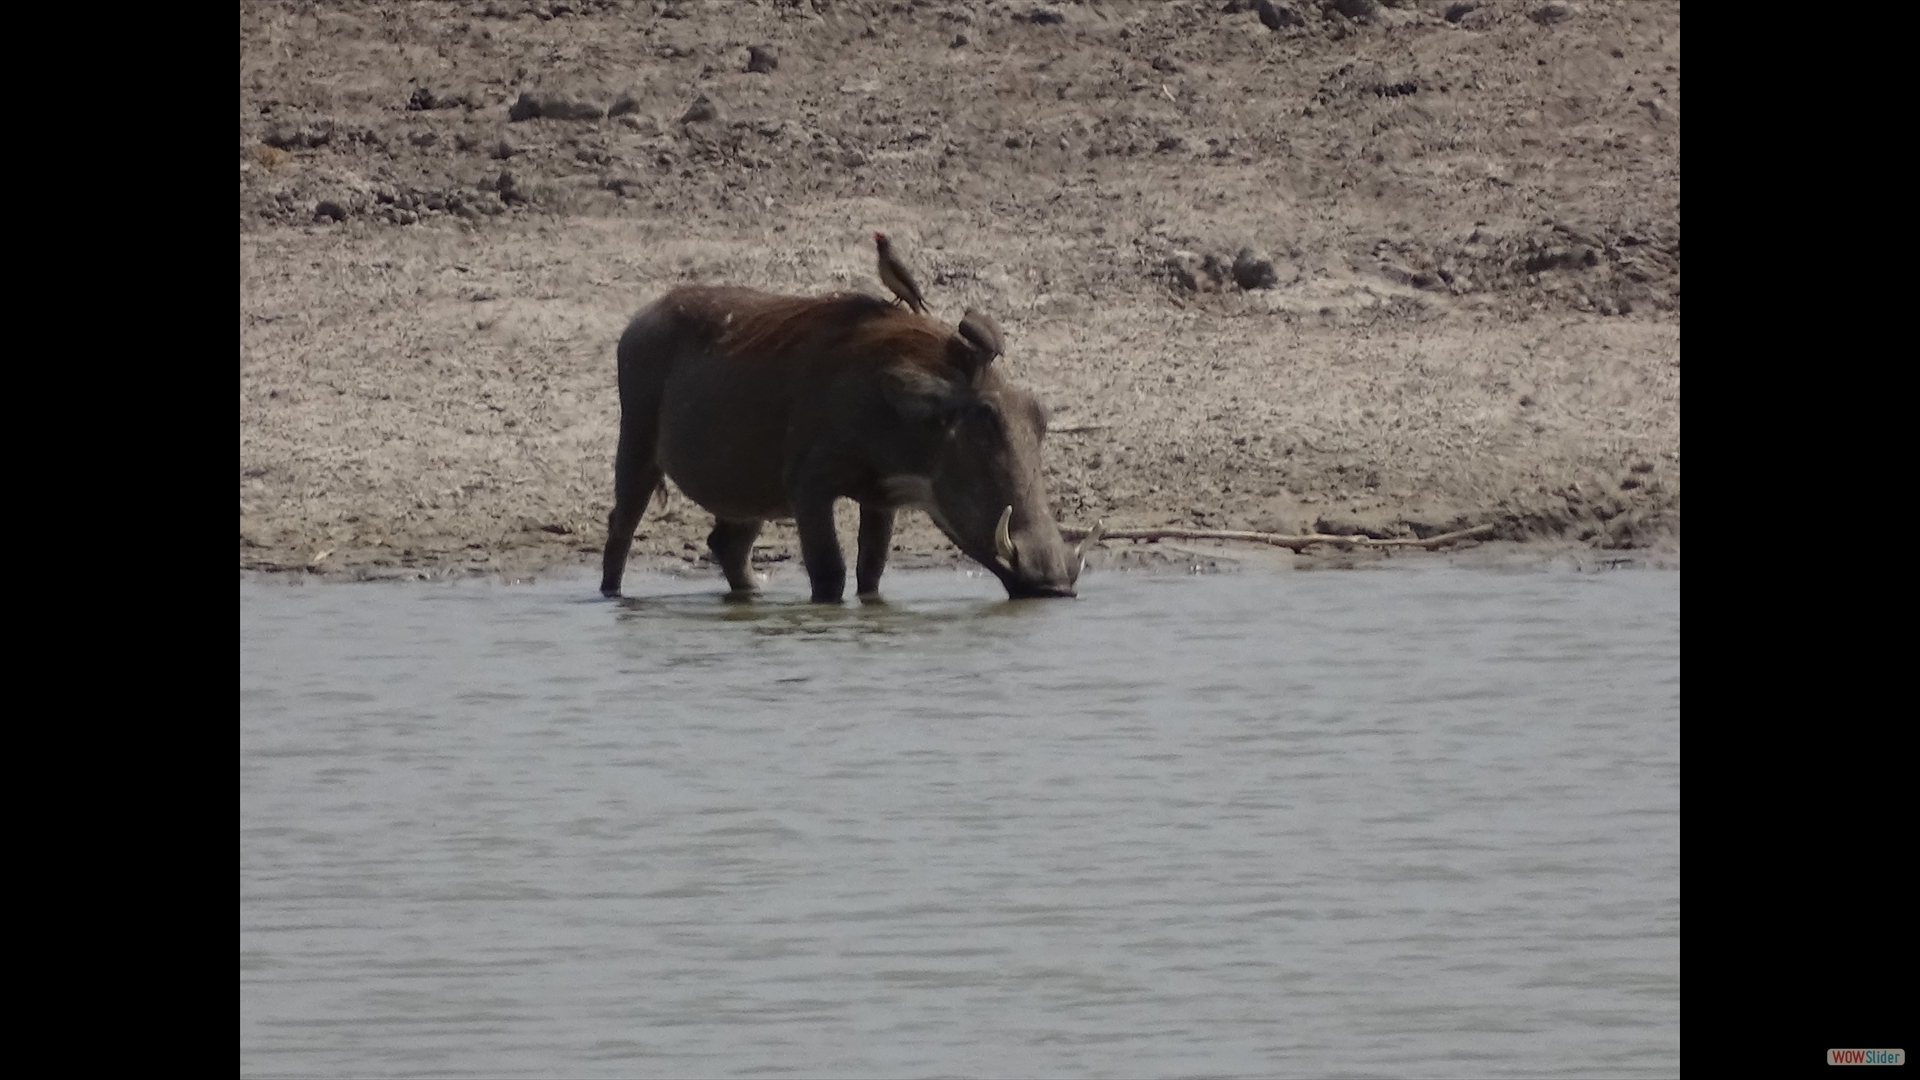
x: 853, y: 321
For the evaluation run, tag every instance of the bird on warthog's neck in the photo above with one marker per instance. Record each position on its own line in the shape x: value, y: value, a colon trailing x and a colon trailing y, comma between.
x: 896, y: 276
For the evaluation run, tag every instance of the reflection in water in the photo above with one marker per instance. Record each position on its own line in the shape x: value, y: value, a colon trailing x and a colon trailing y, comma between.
x: 776, y: 614
x: 1418, y: 820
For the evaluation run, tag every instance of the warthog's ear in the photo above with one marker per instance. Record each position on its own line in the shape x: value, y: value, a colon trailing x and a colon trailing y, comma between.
x: 975, y: 344
x: 919, y: 395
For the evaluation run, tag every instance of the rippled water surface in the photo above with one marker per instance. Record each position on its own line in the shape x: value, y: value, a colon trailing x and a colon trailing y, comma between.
x: 1412, y: 821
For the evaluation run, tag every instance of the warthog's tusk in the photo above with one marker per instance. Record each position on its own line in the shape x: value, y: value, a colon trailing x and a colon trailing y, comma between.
x: 1003, y: 548
x: 1090, y: 540
x: 1086, y: 544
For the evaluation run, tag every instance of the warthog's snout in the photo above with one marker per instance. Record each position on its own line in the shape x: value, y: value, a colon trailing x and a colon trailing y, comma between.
x: 1041, y: 565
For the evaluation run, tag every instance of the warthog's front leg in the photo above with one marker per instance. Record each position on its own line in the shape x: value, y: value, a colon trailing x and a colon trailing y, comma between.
x: 820, y: 548
x: 732, y: 545
x: 876, y: 533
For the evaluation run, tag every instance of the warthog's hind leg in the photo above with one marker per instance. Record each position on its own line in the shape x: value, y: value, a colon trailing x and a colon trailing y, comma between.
x: 634, y: 483
x: 876, y: 533
x: 732, y: 545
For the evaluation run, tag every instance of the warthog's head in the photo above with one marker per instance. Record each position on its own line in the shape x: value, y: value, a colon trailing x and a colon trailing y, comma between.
x: 982, y: 481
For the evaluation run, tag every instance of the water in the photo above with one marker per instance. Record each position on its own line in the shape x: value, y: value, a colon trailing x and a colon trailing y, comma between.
x: 1412, y: 821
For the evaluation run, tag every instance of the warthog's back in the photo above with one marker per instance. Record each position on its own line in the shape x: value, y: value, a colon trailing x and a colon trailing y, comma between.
x: 742, y: 382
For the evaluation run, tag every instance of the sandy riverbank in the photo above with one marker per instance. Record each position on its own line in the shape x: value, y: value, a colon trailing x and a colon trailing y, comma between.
x: 1473, y: 228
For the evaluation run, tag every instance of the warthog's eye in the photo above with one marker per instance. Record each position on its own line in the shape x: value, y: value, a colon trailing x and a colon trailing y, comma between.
x: 983, y: 416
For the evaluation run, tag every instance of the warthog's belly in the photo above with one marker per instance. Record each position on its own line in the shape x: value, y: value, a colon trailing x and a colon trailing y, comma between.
x: 730, y: 474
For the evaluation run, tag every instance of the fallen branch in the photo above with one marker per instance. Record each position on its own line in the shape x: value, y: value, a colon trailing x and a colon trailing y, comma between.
x: 1276, y: 539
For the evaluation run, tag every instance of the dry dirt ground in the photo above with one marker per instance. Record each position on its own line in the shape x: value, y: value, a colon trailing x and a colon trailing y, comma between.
x: 1468, y: 215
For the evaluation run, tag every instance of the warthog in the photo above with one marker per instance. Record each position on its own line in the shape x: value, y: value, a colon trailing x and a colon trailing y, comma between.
x: 764, y: 407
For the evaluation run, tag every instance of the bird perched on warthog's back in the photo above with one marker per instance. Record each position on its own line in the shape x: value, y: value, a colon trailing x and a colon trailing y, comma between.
x: 895, y: 276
